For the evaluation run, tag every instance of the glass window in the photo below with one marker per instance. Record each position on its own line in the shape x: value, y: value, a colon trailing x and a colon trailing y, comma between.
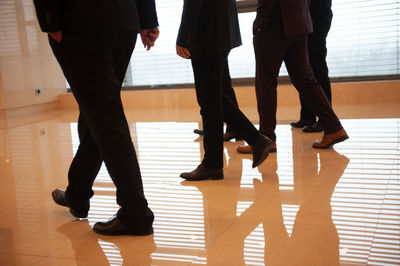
x: 363, y: 41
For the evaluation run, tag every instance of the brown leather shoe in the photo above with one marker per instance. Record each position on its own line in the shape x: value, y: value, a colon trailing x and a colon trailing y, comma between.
x: 246, y: 149
x: 330, y: 139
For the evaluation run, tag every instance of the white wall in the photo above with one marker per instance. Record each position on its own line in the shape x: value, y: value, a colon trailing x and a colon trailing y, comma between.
x: 26, y: 60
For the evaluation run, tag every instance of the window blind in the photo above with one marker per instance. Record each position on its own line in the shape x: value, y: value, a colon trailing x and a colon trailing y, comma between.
x: 363, y: 41
x: 364, y: 38
x: 161, y: 65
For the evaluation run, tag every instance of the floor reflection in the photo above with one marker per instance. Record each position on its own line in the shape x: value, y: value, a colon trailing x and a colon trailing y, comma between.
x: 300, y: 207
x: 106, y: 250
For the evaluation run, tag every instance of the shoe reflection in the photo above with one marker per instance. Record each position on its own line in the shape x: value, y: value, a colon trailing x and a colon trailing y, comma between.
x: 220, y: 205
x: 106, y: 250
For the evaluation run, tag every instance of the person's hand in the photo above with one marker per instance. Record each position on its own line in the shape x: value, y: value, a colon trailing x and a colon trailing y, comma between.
x: 149, y: 36
x: 57, y: 35
x: 182, y: 52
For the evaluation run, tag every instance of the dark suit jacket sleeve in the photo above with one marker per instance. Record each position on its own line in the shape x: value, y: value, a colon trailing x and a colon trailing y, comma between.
x: 190, y: 17
x: 49, y: 14
x: 147, y: 13
x: 264, y: 9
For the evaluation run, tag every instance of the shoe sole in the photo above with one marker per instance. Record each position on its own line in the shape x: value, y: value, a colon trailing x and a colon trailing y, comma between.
x: 146, y: 233
x: 333, y: 143
x: 312, y: 131
x: 77, y: 214
x: 202, y: 178
x: 272, y: 150
x: 242, y: 152
x: 298, y: 126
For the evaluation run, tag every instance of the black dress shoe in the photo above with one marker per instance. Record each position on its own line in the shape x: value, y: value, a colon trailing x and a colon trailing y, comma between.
x: 199, y: 131
x: 203, y: 173
x: 231, y: 135
x: 261, y: 148
x: 59, y: 198
x: 114, y: 227
x: 302, y: 123
x: 316, y: 127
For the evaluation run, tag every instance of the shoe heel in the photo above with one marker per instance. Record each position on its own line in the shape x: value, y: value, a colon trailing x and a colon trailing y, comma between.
x: 79, y: 215
x: 340, y: 140
x: 149, y: 231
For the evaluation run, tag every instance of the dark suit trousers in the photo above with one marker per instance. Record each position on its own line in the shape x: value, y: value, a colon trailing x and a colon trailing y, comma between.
x: 211, y: 73
x: 317, y: 52
x: 95, y: 65
x: 229, y: 91
x: 272, y: 47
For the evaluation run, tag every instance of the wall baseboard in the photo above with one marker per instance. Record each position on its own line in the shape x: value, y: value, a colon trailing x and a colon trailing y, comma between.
x: 13, y: 117
x: 343, y: 93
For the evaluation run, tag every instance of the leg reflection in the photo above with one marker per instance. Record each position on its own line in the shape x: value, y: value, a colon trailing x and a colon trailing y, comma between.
x: 314, y: 239
x: 220, y: 209
x: 314, y: 232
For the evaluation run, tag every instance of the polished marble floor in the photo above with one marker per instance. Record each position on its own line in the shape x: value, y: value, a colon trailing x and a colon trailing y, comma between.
x: 300, y: 207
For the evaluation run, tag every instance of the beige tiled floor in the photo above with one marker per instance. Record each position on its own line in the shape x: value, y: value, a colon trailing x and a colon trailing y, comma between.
x: 300, y: 207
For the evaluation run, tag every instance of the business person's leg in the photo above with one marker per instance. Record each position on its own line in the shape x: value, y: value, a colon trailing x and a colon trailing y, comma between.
x: 269, y: 48
x: 260, y: 145
x: 89, y: 63
x: 214, y: 108
x: 227, y: 84
x: 229, y: 92
x: 208, y: 72
x: 302, y: 77
x: 81, y: 175
x: 300, y: 72
x: 317, y: 54
x: 233, y: 116
x: 83, y: 169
